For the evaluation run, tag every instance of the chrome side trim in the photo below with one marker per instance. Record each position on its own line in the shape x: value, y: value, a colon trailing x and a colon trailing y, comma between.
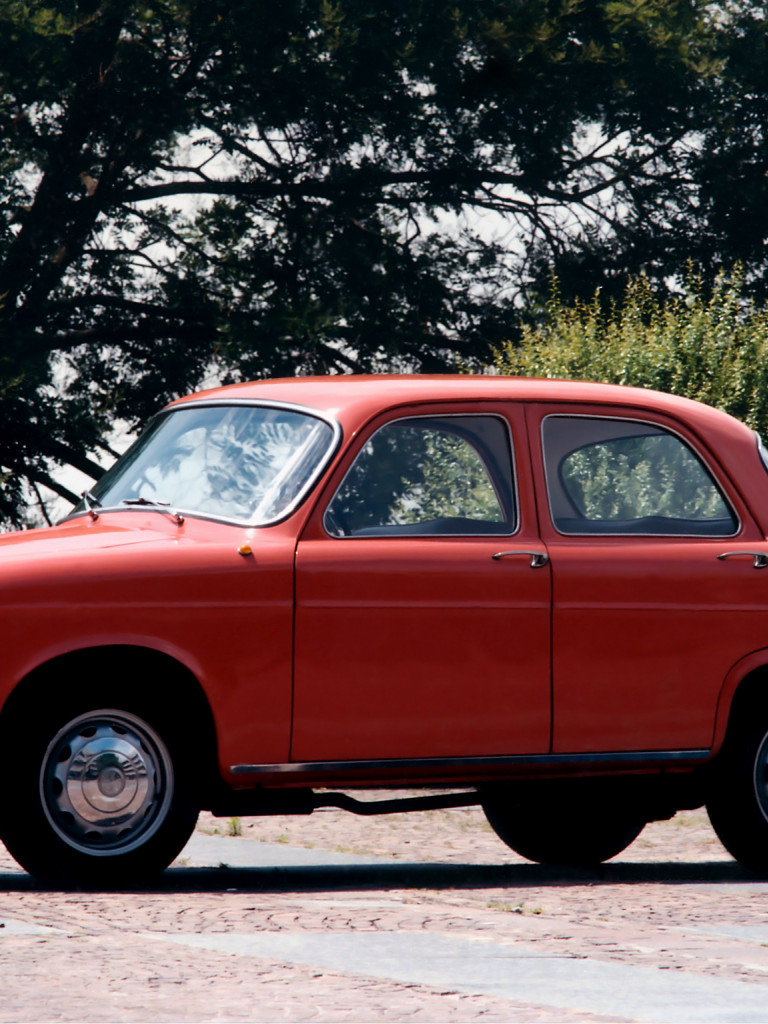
x: 622, y: 757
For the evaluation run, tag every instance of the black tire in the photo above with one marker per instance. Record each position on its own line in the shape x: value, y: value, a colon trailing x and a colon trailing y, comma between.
x: 738, y: 800
x: 99, y: 798
x: 567, y: 825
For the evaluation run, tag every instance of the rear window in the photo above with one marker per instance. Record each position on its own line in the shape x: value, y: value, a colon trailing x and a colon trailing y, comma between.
x: 608, y: 475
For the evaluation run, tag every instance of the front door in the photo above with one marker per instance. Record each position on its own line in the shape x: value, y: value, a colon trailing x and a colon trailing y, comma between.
x: 423, y: 597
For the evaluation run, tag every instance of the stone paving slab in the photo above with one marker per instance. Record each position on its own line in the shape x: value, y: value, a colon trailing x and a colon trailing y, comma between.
x: 213, y: 851
x: 484, y: 967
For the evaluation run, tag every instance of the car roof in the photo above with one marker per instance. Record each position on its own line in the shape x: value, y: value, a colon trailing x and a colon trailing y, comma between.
x: 364, y: 395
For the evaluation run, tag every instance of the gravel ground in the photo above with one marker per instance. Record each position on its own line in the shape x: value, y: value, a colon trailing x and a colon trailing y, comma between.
x: 674, y: 901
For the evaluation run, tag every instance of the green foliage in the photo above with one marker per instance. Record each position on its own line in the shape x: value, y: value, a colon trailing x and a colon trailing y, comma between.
x: 629, y: 478
x: 449, y: 480
x: 710, y: 347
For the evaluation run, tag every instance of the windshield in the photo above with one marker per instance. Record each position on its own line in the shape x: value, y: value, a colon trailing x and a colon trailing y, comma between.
x: 243, y: 462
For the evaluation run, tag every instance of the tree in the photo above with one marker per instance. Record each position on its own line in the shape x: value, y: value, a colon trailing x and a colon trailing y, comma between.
x: 192, y: 188
x: 729, y: 171
x: 707, y: 202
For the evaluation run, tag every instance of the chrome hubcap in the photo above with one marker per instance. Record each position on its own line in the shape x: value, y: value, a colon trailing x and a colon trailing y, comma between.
x: 106, y: 783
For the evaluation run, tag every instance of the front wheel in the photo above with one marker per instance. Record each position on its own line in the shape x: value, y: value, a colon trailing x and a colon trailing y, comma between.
x: 738, y: 803
x: 99, y: 800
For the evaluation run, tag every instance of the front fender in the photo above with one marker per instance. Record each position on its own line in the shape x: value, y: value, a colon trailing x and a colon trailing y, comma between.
x: 45, y: 654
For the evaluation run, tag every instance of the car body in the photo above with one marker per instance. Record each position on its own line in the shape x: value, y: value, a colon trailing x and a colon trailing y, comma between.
x: 542, y: 596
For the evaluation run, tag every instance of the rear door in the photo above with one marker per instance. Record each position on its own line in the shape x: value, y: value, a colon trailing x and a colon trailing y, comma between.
x: 654, y: 596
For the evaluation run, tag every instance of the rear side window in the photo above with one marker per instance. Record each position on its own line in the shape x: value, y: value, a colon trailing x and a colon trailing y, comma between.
x: 619, y: 476
x: 428, y: 476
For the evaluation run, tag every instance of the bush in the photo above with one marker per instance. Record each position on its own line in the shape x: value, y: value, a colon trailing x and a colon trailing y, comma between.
x: 713, y: 349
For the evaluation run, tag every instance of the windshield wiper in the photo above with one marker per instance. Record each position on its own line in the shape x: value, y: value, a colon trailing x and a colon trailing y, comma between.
x: 157, y: 506
x: 91, y: 503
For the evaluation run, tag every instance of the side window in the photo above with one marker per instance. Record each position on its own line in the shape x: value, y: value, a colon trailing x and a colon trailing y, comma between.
x: 617, y: 476
x: 439, y: 476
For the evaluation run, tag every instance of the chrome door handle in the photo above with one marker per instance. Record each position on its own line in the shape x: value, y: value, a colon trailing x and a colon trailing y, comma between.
x: 538, y: 558
x: 759, y: 558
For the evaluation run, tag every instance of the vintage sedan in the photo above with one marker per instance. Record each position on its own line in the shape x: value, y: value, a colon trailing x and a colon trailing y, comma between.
x: 543, y: 597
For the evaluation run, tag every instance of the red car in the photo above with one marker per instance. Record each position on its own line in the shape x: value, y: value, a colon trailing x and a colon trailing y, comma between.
x: 543, y: 597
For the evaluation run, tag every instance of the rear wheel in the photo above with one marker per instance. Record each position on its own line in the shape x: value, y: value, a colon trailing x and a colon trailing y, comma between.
x: 571, y: 825
x: 738, y: 802
x: 99, y: 798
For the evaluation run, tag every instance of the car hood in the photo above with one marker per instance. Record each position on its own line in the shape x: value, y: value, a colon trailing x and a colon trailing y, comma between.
x: 81, y: 537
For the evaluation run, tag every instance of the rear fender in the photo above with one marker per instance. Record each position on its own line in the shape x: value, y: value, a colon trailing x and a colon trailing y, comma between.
x: 752, y: 667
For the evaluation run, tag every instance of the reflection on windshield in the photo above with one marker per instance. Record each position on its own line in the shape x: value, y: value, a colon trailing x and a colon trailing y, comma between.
x: 241, y: 462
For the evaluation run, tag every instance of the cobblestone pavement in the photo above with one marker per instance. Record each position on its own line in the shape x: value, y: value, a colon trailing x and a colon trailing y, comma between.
x: 423, y: 917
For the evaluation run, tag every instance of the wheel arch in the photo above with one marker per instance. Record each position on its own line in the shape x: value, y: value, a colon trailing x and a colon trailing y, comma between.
x: 112, y: 675
x: 745, y: 687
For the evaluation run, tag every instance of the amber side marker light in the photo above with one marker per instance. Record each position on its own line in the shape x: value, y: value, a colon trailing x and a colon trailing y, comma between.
x: 245, y: 550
